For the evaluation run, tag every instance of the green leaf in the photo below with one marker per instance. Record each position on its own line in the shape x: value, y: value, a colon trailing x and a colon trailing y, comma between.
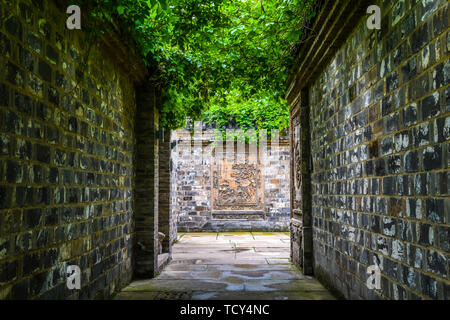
x: 229, y: 63
x: 120, y: 10
x: 163, y: 4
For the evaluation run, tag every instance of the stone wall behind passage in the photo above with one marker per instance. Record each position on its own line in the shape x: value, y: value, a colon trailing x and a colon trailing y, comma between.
x: 192, y: 194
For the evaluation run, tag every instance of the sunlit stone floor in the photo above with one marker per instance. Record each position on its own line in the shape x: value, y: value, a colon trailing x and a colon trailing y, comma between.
x: 229, y: 266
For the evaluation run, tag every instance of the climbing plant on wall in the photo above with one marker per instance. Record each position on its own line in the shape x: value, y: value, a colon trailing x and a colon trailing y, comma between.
x: 222, y: 61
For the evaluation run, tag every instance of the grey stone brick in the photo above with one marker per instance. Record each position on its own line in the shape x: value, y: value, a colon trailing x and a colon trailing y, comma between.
x: 432, y: 157
x: 44, y: 71
x: 435, y: 210
x: 14, y: 27
x: 436, y: 263
x: 428, y: 286
x: 411, y: 161
x: 42, y: 153
x: 4, y: 95
x: 430, y: 106
x: 14, y: 172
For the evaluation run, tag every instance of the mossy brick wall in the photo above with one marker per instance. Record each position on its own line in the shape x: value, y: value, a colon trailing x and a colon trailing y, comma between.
x: 147, y: 183
x: 191, y: 174
x: 380, y: 132
x: 277, y: 186
x: 66, y: 158
x: 166, y: 220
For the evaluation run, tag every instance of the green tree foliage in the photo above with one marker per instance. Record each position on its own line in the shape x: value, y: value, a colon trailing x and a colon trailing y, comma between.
x: 223, y: 61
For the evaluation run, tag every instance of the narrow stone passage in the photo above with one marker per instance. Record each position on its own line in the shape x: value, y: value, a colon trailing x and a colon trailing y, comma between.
x: 238, y: 265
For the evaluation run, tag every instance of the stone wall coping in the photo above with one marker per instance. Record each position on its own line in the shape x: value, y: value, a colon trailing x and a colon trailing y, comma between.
x: 332, y: 25
x: 120, y: 47
x: 125, y: 53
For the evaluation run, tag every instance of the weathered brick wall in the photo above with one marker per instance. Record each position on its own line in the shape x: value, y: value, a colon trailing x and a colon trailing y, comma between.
x: 191, y: 173
x: 66, y: 158
x: 277, y: 186
x: 147, y: 183
x: 193, y: 158
x: 380, y: 132
x: 165, y: 217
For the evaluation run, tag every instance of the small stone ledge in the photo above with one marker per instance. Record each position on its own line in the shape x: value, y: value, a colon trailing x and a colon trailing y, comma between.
x: 238, y: 214
x: 163, y: 260
x: 238, y: 225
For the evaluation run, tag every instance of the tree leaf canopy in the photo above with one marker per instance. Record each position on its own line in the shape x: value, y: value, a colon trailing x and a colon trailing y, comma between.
x: 223, y: 61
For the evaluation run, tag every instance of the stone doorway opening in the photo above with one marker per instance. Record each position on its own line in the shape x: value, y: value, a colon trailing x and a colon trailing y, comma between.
x: 200, y: 181
x: 220, y: 205
x: 227, y: 214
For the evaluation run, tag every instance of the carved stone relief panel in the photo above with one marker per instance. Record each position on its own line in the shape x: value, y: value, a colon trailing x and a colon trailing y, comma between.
x: 297, y: 163
x: 236, y: 186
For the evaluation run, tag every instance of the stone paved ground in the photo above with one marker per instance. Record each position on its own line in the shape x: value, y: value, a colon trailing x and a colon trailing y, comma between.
x: 238, y: 265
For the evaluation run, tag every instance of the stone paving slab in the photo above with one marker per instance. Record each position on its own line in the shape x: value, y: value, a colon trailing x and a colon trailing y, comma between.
x: 249, y: 260
x: 228, y: 282
x: 173, y: 266
x: 144, y: 295
x: 278, y: 261
x: 283, y: 285
x: 230, y: 257
x: 254, y: 267
x: 209, y: 242
x: 261, y: 240
x: 279, y: 234
x: 220, y: 274
x: 228, y: 235
x: 189, y: 275
x: 266, y: 254
x: 154, y: 295
x: 262, y: 244
x: 261, y: 295
x: 202, y: 255
x: 271, y: 249
x: 187, y: 285
x: 229, y: 266
x: 215, y: 250
x: 202, y: 249
x: 207, y: 295
x: 181, y: 266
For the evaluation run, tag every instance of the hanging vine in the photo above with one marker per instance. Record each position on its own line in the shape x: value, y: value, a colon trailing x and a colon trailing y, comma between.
x: 222, y: 61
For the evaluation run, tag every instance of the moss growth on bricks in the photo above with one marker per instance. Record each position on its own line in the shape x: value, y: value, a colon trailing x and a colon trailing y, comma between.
x: 326, y: 281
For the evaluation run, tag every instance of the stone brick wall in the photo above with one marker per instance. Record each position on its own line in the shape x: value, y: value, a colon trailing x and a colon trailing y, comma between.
x: 194, y: 158
x: 166, y: 220
x: 191, y: 188
x: 277, y: 186
x: 380, y: 131
x: 147, y: 183
x: 66, y: 157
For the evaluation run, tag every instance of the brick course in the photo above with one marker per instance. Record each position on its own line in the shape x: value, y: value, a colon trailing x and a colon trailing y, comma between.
x: 379, y: 122
x: 67, y: 146
x: 192, y: 186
